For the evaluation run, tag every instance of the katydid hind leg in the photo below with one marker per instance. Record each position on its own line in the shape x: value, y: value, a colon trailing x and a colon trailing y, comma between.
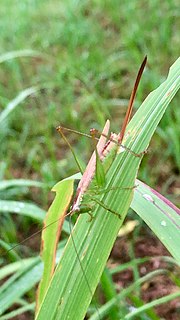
x: 93, y: 198
x: 107, y: 208
x: 103, y: 191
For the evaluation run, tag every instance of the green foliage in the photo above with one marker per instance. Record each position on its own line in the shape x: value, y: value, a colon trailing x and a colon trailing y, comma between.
x: 80, y: 71
x: 88, y: 56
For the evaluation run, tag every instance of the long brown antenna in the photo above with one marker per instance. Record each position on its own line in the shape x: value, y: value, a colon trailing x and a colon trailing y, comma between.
x: 131, y: 101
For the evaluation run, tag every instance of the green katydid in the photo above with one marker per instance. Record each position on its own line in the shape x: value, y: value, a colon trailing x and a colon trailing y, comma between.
x: 102, y: 158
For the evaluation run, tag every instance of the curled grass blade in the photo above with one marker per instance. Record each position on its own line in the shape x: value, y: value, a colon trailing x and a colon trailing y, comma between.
x: 18, y: 54
x: 152, y: 304
x: 51, y: 231
x: 15, y: 102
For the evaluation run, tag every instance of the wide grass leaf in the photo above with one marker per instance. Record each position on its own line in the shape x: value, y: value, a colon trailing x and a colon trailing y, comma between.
x: 4, y: 184
x: 22, y: 208
x: 160, y: 215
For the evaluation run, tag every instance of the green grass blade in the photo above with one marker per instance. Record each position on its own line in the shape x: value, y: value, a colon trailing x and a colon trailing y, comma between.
x: 138, y: 302
x: 4, y: 184
x: 9, y: 250
x: 68, y: 295
x: 109, y: 292
x: 19, y: 284
x: 15, y: 266
x: 18, y: 54
x: 160, y: 215
x: 29, y: 273
x: 15, y: 102
x: 105, y: 309
x: 17, y: 312
x: 152, y: 304
x: 22, y: 208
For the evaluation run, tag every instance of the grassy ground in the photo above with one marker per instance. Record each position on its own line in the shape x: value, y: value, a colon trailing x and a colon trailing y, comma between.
x: 87, y: 57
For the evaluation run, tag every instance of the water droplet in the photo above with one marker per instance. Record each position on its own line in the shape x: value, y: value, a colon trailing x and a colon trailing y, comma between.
x: 163, y: 223
x: 148, y: 197
x: 121, y: 149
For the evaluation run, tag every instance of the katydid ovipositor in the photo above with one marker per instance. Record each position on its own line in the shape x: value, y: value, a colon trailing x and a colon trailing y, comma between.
x: 101, y: 158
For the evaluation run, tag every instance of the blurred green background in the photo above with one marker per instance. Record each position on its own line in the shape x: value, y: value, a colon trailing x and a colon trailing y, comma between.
x: 83, y: 56
x: 79, y: 60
